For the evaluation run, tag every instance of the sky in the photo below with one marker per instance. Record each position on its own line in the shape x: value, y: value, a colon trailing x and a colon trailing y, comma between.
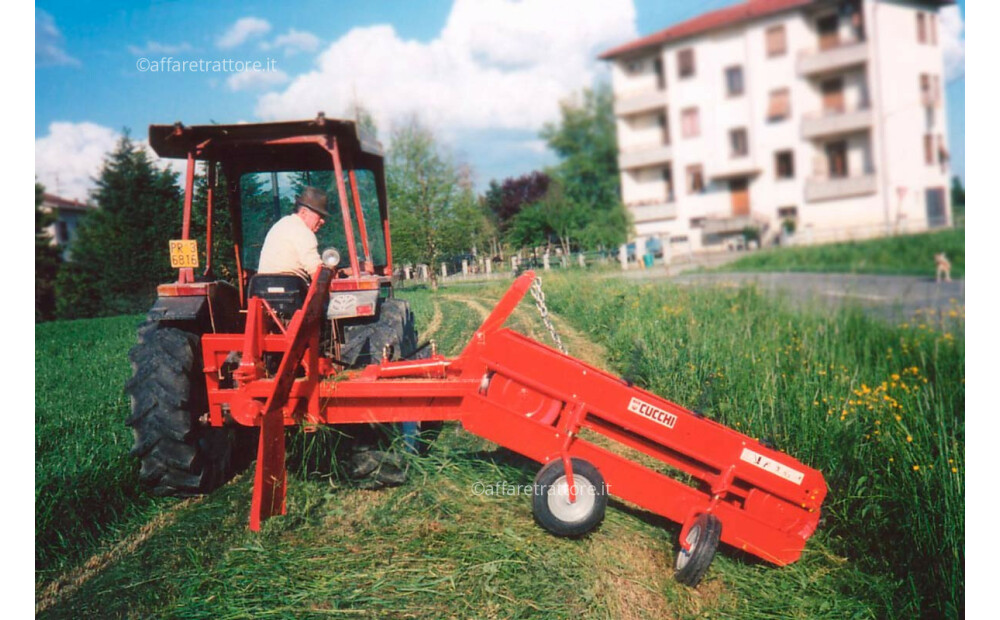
x: 486, y: 75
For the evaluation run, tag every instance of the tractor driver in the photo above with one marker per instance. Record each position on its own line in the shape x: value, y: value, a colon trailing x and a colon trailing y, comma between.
x: 290, y: 246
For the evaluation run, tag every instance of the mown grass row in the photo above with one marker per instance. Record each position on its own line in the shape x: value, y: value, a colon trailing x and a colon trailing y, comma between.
x: 879, y: 409
x: 902, y: 255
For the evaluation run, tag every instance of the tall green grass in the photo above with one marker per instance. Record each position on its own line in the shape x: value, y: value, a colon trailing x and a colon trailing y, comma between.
x: 892, y: 545
x: 879, y: 409
x: 86, y: 486
x: 902, y: 255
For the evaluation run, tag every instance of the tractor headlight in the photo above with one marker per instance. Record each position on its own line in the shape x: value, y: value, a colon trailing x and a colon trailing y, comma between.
x: 331, y: 258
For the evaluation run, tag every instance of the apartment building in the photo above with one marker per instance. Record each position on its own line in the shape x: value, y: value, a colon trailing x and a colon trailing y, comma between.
x: 804, y: 120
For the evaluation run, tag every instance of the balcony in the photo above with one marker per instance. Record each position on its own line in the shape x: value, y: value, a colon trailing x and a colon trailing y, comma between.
x: 640, y: 101
x: 847, y: 54
x: 653, y: 211
x: 834, y: 123
x: 832, y: 188
x: 645, y: 156
x: 728, y: 224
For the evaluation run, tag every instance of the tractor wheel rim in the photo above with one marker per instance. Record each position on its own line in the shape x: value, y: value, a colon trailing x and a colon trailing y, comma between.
x: 683, y: 557
x: 571, y: 512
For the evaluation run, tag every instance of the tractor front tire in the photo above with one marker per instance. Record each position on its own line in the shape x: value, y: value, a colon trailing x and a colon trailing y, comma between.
x: 179, y: 455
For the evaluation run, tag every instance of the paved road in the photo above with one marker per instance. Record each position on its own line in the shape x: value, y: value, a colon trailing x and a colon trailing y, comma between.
x: 895, y: 298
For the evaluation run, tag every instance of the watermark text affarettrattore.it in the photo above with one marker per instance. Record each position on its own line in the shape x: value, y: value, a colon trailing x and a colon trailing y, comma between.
x: 169, y: 64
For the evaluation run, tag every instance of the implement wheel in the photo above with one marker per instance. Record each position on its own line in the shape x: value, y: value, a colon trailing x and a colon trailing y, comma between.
x: 551, y: 503
x: 703, y: 540
x: 178, y: 455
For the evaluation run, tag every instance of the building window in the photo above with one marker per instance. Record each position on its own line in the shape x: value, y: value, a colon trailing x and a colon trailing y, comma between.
x: 634, y: 67
x: 734, y: 81
x: 664, y: 124
x: 933, y: 29
x: 828, y: 28
x: 62, y: 233
x: 685, y: 63
x: 696, y: 180
x: 779, y: 105
x: 921, y: 28
x: 929, y: 149
x: 833, y: 96
x: 785, y: 213
x: 775, y: 40
x: 836, y: 156
x: 661, y: 78
x: 689, y: 123
x: 942, y: 153
x: 697, y: 222
x: 738, y: 142
x: 668, y: 183
x: 784, y: 165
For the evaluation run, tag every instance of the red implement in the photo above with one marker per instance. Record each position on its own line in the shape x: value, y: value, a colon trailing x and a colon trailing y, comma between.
x: 540, y: 403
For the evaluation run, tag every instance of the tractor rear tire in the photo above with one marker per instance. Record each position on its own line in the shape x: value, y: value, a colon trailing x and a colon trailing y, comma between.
x: 179, y: 456
x: 393, y: 336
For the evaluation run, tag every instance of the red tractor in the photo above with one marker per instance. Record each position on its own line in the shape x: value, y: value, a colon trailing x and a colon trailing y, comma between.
x: 219, y: 368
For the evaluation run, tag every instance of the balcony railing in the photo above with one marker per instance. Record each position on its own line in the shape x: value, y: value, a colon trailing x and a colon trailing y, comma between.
x: 725, y: 224
x: 652, y: 211
x: 640, y: 101
x: 836, y: 122
x: 847, y: 54
x: 643, y: 157
x: 832, y: 188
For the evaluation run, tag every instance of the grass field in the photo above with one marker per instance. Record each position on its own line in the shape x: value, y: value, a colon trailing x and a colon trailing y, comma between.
x: 911, y: 255
x: 878, y: 409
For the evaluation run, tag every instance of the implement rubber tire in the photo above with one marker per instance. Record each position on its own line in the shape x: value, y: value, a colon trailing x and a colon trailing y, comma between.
x: 703, y: 537
x: 178, y: 455
x: 550, y: 499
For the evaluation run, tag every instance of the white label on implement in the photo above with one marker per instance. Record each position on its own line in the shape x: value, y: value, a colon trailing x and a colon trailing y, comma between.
x: 773, y: 467
x: 653, y: 413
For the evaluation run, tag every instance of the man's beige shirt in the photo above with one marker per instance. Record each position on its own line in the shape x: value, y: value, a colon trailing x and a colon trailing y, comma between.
x: 290, y: 247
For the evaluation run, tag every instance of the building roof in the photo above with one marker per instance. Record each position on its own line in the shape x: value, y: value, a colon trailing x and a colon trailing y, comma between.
x: 58, y: 202
x: 715, y: 20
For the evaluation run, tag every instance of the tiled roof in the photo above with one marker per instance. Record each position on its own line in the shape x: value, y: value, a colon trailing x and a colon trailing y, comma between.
x: 58, y: 202
x: 745, y: 11
x: 728, y: 16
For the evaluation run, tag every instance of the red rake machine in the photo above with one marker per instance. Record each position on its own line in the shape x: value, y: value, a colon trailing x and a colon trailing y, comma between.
x: 213, y: 361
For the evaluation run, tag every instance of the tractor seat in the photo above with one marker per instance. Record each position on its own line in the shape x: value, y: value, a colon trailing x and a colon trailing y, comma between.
x: 284, y: 293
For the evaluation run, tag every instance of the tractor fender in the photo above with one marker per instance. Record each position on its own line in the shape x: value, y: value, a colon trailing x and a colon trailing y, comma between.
x: 212, y: 305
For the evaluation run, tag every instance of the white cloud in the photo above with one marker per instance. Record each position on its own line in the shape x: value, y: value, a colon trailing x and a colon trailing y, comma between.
x: 244, y: 28
x: 49, y: 42
x: 256, y: 80
x: 69, y: 158
x: 496, y: 64
x: 953, y: 42
x: 293, y: 41
x: 153, y: 47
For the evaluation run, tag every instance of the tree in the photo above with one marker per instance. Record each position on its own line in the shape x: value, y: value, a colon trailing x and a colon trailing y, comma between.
x: 585, y: 141
x: 47, y: 261
x: 507, y: 200
x: 120, y: 254
x: 433, y: 209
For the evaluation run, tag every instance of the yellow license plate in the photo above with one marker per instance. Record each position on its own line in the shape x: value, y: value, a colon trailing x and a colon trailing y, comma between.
x: 183, y: 253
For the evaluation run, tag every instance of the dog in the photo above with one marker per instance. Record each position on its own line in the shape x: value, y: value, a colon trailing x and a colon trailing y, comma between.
x: 943, y: 267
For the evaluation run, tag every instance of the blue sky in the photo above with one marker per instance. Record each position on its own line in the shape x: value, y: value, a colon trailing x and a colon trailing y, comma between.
x: 485, y: 74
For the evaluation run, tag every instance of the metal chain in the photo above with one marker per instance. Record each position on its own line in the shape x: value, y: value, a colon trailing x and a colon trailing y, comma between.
x: 543, y: 310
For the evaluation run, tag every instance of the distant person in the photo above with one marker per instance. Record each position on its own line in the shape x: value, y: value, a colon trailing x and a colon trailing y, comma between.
x: 291, y: 246
x: 943, y: 267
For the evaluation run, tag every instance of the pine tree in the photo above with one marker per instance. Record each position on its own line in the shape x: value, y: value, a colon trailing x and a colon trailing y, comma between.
x: 121, y: 251
x: 47, y: 261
